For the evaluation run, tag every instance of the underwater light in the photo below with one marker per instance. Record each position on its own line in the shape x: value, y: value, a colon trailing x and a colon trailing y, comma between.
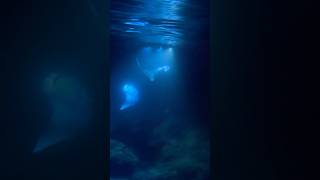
x: 146, y: 50
x: 169, y: 54
x: 159, y: 49
x: 132, y: 31
x: 131, y: 96
x: 164, y: 68
x: 154, y: 61
x: 137, y: 23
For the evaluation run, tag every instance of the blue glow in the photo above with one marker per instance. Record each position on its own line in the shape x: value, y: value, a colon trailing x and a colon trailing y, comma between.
x: 131, y: 96
x: 159, y: 49
x: 136, y: 23
x: 158, y: 21
x: 152, y: 62
x: 146, y: 50
x: 132, y: 31
x: 164, y: 68
x: 47, y: 141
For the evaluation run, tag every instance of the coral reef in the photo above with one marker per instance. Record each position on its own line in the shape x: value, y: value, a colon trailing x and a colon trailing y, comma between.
x: 122, y: 160
x: 122, y: 155
x: 184, y: 155
x: 183, y: 152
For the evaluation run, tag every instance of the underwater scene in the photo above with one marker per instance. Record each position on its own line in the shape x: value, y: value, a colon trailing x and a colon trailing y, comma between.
x: 159, y: 96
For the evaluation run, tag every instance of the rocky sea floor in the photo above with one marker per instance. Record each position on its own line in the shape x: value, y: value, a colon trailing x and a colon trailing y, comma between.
x: 180, y: 152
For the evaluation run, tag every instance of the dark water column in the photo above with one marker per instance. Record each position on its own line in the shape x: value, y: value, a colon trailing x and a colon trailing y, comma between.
x: 36, y: 35
x: 237, y: 87
x: 264, y: 89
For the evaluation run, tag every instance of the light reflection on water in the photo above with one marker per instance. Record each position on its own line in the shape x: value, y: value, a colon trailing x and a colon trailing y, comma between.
x: 155, y: 21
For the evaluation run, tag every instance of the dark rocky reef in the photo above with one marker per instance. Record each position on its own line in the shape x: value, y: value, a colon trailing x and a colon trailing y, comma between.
x: 182, y: 151
x: 122, y: 159
x: 184, y: 154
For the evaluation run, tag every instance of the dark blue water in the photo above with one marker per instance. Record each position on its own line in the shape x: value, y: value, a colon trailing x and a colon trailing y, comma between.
x: 159, y: 73
x: 163, y: 22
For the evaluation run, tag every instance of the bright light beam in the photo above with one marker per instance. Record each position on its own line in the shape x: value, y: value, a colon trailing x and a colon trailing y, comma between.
x: 153, y: 61
x: 131, y: 96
